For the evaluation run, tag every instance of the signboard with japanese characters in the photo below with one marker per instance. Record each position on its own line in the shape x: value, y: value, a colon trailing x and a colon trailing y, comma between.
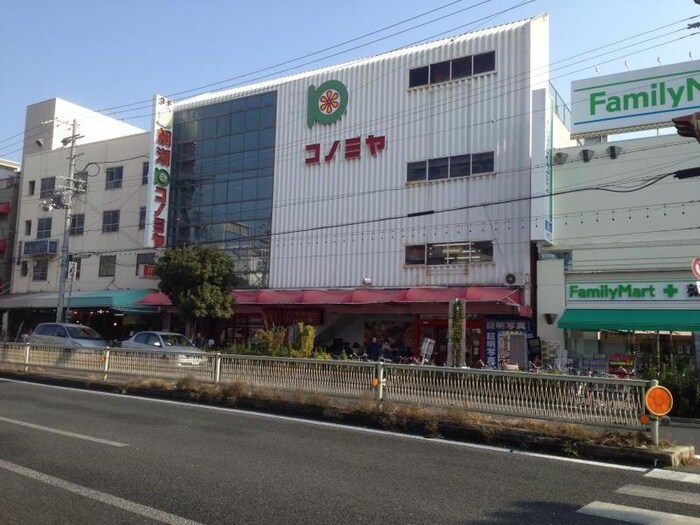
x: 325, y: 105
x: 159, y: 174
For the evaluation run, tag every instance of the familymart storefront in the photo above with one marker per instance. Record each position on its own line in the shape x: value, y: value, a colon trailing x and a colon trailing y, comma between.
x: 632, y: 324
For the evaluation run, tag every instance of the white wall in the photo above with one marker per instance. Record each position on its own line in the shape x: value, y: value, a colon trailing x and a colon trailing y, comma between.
x: 129, y: 199
x: 484, y: 113
x: 653, y: 229
x: 550, y: 299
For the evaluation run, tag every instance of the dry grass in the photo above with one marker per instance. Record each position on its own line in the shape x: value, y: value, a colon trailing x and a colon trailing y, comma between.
x: 394, y: 416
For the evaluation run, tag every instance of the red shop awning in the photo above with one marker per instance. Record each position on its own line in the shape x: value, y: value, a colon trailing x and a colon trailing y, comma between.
x: 472, y: 294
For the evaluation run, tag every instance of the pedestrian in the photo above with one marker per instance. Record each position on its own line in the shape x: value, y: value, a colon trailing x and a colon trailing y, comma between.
x: 198, y: 340
x: 385, y: 351
x: 373, y: 349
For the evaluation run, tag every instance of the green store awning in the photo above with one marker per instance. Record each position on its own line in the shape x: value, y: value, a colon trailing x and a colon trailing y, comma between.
x: 122, y: 300
x: 664, y: 320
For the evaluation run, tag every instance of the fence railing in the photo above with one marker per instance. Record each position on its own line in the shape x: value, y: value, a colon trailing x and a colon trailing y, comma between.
x: 608, y: 402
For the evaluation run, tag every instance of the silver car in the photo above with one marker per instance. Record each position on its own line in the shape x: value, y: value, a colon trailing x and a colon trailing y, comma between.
x: 169, y: 345
x: 66, y: 334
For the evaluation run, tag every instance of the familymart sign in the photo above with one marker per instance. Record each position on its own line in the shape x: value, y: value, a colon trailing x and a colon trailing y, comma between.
x: 640, y: 99
x: 634, y: 291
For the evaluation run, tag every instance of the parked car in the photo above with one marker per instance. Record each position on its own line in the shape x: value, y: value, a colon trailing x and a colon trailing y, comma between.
x: 169, y: 345
x: 67, y: 334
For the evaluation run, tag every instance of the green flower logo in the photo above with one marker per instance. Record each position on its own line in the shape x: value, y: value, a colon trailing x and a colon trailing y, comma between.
x: 327, y: 103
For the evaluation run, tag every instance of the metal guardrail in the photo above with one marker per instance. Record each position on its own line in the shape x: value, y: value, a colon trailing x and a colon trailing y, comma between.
x: 608, y: 402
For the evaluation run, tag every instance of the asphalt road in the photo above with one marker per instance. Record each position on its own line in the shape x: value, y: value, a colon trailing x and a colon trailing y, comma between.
x: 72, y: 456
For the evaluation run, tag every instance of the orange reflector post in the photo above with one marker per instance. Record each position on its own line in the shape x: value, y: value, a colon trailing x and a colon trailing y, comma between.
x: 659, y: 400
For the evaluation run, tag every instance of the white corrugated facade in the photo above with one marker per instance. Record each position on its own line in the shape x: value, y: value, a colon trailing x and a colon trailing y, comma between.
x: 336, y: 222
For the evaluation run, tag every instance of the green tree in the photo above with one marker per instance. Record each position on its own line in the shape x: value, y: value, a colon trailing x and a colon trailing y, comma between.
x: 198, y: 281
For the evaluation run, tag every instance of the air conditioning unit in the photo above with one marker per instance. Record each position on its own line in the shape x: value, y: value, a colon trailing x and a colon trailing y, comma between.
x: 513, y: 279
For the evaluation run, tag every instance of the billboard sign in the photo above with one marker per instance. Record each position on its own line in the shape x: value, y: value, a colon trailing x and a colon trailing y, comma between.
x: 641, y: 99
x: 159, y: 173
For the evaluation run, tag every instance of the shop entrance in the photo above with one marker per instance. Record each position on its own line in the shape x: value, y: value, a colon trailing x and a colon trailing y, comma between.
x: 435, y: 329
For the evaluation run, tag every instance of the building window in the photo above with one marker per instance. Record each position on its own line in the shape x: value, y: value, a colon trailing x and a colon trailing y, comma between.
x: 142, y: 218
x: 438, y: 254
x: 482, y: 163
x: 144, y: 258
x: 24, y: 268
x: 144, y: 174
x: 450, y: 167
x: 114, y: 177
x: 440, y: 72
x: 32, y: 187
x: 438, y: 168
x: 110, y: 221
x: 108, y: 265
x: 43, y: 228
x: 77, y: 224
x: 415, y: 254
x: 27, y: 228
x: 48, y: 186
x: 462, y: 67
x: 40, y: 270
x: 484, y: 62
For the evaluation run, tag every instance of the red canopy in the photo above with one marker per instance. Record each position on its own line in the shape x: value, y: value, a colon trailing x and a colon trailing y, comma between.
x: 472, y: 294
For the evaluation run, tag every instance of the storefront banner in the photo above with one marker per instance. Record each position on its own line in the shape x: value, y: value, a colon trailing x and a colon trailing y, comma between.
x: 639, y: 99
x: 632, y: 291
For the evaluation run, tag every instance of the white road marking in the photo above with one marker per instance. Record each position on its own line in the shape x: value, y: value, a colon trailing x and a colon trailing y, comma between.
x: 672, y: 475
x: 341, y: 426
x: 135, y: 508
x: 676, y: 496
x: 63, y: 432
x: 634, y: 515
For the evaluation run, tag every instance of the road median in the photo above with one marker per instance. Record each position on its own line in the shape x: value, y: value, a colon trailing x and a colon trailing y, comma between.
x: 562, y: 439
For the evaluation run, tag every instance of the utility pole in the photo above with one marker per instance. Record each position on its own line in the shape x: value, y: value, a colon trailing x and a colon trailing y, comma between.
x: 65, y: 194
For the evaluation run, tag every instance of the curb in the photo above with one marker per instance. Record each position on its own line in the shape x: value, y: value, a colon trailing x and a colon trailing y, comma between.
x: 516, y: 439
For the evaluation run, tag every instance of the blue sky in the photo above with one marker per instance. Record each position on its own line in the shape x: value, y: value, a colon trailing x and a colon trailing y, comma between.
x: 102, y: 54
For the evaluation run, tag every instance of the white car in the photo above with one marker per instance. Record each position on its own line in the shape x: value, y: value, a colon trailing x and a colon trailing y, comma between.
x: 168, y: 344
x: 66, y: 335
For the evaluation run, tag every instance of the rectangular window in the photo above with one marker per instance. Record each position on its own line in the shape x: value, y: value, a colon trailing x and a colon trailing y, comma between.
x: 24, y: 269
x: 418, y: 77
x: 114, y: 177
x: 144, y: 174
x: 108, y: 265
x: 43, y: 228
x: 142, y: 218
x: 485, y: 62
x: 482, y: 162
x: 460, y: 166
x: 416, y: 171
x: 40, y: 270
x: 144, y: 258
x: 48, y: 185
x: 27, y: 228
x: 110, y: 221
x: 32, y: 187
x: 462, y: 67
x: 415, y: 254
x: 77, y: 224
x: 439, y: 254
x: 438, y: 168
x: 440, y: 72
x: 482, y: 251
